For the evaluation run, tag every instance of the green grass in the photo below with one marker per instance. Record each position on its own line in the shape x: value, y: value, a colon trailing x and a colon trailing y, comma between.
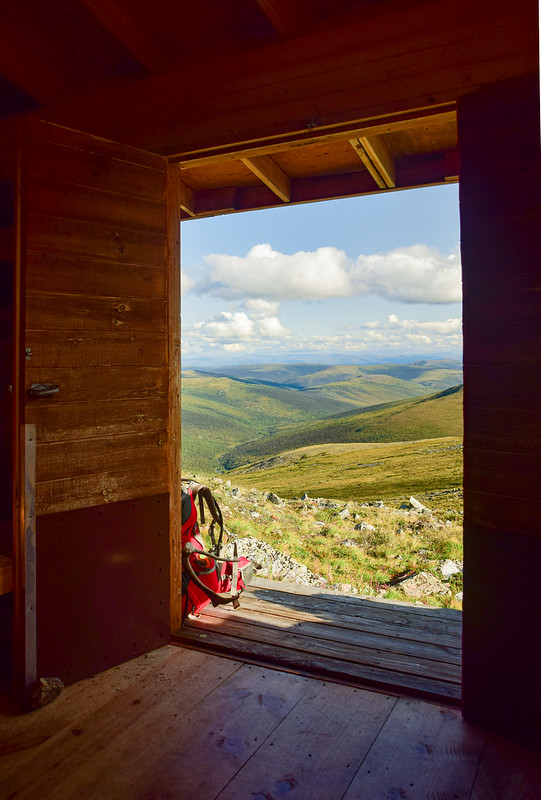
x: 427, y: 417
x: 220, y: 414
x: 392, y: 543
x: 360, y: 471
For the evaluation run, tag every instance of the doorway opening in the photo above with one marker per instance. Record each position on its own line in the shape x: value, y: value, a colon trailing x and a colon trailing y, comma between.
x: 254, y: 333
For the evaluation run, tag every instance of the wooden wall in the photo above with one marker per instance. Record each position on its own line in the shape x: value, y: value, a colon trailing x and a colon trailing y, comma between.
x: 500, y: 212
x: 8, y: 169
x: 98, y: 264
x: 95, y: 260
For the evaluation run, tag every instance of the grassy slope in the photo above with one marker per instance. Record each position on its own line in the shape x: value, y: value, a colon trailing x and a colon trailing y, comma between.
x: 427, y: 417
x: 219, y: 413
x: 360, y: 471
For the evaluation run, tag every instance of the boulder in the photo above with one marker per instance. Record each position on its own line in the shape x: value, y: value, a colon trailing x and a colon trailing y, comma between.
x: 422, y: 585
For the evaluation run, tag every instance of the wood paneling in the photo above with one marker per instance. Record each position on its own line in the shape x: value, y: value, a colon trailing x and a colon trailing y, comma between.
x: 109, y: 600
x: 334, y: 77
x: 83, y: 238
x: 74, y: 420
x: 500, y: 197
x: 8, y: 169
x: 72, y: 312
x: 65, y: 274
x: 96, y: 317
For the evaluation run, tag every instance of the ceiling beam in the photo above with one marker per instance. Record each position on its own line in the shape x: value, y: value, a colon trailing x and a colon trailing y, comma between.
x: 133, y: 38
x: 270, y: 174
x: 377, y: 158
x: 212, y: 202
x: 399, y: 122
x: 187, y: 199
x: 318, y: 83
x: 281, y: 15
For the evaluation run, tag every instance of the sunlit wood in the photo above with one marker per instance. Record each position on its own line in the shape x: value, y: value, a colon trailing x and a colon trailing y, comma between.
x: 270, y: 173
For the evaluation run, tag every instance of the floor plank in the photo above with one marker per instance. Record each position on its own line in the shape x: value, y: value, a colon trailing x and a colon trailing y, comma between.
x: 394, y: 647
x: 334, y: 642
x: 186, y: 725
x: 424, y: 751
x: 86, y: 748
x: 319, y: 665
x: 314, y: 753
x: 228, y: 727
x: 507, y: 772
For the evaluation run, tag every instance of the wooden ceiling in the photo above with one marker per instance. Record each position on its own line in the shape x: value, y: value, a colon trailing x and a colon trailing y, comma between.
x: 266, y: 102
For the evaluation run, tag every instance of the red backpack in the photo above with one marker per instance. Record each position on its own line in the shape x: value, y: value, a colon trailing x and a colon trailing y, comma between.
x: 207, y: 578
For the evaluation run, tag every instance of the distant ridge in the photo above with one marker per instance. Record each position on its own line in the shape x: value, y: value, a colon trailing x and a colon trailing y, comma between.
x: 435, y: 416
x: 224, y: 410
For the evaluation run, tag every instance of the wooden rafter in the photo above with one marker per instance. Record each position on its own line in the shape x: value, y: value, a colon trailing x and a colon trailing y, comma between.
x: 268, y: 171
x: 281, y: 15
x: 187, y: 199
x: 375, y: 155
x: 211, y: 202
x: 122, y: 27
x: 260, y: 97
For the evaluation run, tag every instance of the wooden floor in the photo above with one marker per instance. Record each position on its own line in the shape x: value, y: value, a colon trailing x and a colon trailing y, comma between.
x: 186, y: 725
x: 402, y: 648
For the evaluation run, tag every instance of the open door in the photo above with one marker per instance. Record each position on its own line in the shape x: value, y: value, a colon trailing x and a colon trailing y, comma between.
x: 97, y: 367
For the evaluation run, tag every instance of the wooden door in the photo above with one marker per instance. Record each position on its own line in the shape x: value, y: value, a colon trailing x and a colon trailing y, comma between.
x: 98, y: 368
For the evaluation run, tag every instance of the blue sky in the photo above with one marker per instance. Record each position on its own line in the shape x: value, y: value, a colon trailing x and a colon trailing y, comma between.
x: 353, y: 281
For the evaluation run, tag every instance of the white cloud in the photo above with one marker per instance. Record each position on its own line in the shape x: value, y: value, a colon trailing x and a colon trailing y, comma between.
x: 230, y: 329
x: 415, y: 274
x: 236, y: 332
x: 186, y: 283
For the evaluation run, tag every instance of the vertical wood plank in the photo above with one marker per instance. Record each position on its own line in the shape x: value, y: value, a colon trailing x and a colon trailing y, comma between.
x: 31, y: 671
x: 175, y: 520
x: 499, y: 214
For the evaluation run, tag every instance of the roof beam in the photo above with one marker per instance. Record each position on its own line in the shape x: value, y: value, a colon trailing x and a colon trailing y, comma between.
x: 431, y: 172
x: 398, y: 122
x: 268, y: 171
x: 128, y: 33
x: 333, y: 79
x: 281, y: 16
x: 187, y: 199
x: 377, y: 158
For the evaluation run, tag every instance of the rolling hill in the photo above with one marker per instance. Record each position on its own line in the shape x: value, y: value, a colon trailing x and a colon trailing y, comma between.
x: 359, y: 471
x: 429, y: 417
x: 221, y: 412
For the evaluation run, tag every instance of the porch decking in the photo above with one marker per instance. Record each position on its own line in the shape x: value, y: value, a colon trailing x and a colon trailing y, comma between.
x: 397, y: 647
x: 186, y: 725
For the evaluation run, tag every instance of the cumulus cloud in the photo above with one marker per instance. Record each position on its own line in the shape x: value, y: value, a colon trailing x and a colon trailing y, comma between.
x: 186, y: 283
x: 415, y: 274
x: 237, y: 332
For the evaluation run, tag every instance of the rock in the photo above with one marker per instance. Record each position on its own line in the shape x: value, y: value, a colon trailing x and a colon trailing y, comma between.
x: 344, y: 513
x: 423, y: 584
x: 274, y: 564
x: 273, y: 498
x: 305, y: 496
x: 364, y: 526
x: 418, y: 506
x: 449, y: 568
x: 349, y: 543
x: 459, y: 596
x: 235, y: 492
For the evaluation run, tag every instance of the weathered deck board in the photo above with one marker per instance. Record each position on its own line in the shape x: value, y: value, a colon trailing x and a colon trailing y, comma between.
x: 397, y: 647
x: 188, y: 725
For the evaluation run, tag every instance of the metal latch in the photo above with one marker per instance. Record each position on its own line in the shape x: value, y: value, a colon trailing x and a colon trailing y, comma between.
x: 43, y: 389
